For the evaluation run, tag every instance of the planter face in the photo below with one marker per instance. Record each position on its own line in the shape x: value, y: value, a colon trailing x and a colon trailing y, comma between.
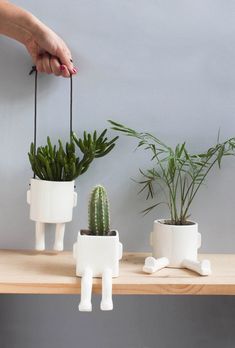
x: 98, y: 253
x: 175, y: 242
x: 51, y: 201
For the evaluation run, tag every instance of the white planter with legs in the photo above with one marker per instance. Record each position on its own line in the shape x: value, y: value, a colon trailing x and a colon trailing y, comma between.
x: 51, y: 202
x: 176, y: 246
x: 176, y: 242
x: 97, y: 256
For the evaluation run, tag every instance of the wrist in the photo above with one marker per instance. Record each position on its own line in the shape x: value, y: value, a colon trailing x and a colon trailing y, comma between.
x: 32, y: 27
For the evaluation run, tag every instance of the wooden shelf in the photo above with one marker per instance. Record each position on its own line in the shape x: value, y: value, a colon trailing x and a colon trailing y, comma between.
x: 30, y: 272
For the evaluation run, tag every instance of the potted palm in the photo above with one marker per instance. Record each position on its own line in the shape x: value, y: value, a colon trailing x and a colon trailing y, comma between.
x: 97, y: 251
x: 175, y: 240
x: 51, y: 195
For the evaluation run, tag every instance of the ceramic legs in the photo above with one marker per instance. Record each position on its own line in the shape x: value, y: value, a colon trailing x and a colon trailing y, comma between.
x: 106, y: 302
x: 40, y: 236
x: 86, y: 291
x: 201, y: 267
x: 59, y: 237
x: 153, y: 265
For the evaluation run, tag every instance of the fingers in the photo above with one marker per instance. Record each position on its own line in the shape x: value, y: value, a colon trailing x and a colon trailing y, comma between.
x: 43, y: 63
x: 55, y: 66
x: 64, y: 70
x: 64, y: 55
x: 48, y: 64
x: 39, y: 65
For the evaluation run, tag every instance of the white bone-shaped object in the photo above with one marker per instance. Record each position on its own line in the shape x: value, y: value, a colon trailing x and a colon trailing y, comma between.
x: 51, y: 202
x: 201, y: 267
x: 97, y: 256
x: 153, y: 265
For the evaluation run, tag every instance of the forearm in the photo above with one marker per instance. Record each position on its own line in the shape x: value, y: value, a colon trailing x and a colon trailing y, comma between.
x: 17, y: 23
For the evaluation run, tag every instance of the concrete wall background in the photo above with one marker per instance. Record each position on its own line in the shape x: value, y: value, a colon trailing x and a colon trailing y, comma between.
x: 161, y: 66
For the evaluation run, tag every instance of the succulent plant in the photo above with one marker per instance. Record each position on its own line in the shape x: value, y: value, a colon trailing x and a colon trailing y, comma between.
x: 98, y: 212
x: 62, y: 164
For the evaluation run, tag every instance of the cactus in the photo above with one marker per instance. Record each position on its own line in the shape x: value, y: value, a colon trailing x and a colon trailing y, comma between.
x: 98, y: 212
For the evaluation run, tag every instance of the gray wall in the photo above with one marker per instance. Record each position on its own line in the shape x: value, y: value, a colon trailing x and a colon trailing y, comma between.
x: 165, y: 66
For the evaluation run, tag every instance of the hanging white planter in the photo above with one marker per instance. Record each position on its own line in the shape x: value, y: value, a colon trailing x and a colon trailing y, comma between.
x: 51, y: 202
x: 97, y: 256
x: 176, y: 246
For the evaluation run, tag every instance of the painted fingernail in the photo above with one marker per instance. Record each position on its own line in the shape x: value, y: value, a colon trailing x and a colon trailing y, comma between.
x: 75, y: 70
x: 62, y: 67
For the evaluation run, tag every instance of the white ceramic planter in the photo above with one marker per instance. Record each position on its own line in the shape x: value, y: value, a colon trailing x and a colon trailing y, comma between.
x: 97, y: 256
x: 177, y: 243
x: 51, y: 202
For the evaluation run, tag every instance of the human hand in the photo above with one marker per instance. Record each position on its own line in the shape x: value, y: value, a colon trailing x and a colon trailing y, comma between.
x: 50, y: 54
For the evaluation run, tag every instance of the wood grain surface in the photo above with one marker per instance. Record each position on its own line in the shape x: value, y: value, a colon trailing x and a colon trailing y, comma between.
x: 31, y: 272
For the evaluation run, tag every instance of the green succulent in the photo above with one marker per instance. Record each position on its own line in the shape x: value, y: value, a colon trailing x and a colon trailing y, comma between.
x: 62, y: 163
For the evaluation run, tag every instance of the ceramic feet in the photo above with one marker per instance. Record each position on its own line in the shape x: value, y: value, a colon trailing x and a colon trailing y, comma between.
x: 153, y: 265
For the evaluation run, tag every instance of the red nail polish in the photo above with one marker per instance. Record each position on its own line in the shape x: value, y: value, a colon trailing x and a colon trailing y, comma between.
x: 62, y: 67
x: 75, y: 70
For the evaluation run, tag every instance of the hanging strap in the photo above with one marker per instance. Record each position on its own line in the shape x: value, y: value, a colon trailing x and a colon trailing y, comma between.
x: 34, y: 70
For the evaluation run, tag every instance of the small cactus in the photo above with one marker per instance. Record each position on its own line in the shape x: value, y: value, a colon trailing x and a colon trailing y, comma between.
x: 98, y: 211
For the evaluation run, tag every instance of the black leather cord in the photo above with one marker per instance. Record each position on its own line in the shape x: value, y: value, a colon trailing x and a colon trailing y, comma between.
x: 34, y: 70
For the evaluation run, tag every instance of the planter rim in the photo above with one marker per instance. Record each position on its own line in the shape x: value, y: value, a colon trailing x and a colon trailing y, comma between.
x: 91, y: 236
x: 52, y: 181
x: 160, y: 221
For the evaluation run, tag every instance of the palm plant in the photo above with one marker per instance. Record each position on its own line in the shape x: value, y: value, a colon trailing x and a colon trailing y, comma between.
x: 62, y: 164
x: 178, y: 172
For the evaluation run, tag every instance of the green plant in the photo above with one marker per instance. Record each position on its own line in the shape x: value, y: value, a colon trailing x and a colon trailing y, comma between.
x: 98, y: 211
x: 62, y: 164
x: 179, y: 173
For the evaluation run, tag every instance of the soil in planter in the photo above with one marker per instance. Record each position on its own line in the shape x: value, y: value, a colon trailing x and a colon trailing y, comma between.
x: 169, y: 222
x: 89, y: 233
